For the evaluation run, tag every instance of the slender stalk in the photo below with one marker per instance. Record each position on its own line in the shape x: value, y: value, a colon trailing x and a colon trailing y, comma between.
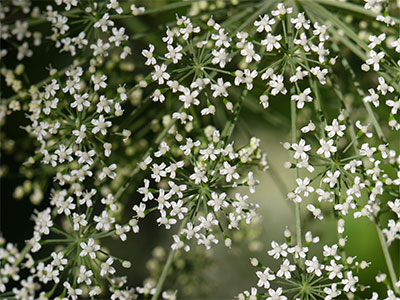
x: 22, y: 255
x: 164, y: 273
x: 297, y: 205
x: 388, y: 259
x: 353, y: 7
x: 167, y: 265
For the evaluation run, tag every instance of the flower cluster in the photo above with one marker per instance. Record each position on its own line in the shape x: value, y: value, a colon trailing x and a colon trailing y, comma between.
x: 301, y: 275
x: 114, y: 118
x: 193, y: 184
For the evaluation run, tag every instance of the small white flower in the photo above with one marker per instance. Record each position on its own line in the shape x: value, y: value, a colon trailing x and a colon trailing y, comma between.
x: 271, y: 42
x: 264, y: 278
x: 327, y: 148
x: 277, y: 85
x: 89, y: 248
x: 220, y: 88
x: 302, y: 98
x: 374, y: 59
x: 101, y: 125
x: 264, y: 24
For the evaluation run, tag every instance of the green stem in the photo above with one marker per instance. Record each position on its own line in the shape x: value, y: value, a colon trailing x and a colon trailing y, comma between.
x: 388, y: 259
x: 22, y: 255
x: 164, y: 273
x: 297, y: 205
x: 167, y: 265
x: 352, y: 7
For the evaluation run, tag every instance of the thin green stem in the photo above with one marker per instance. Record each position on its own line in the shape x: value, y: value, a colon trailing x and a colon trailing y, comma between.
x: 297, y: 205
x: 164, y: 273
x: 388, y: 259
x: 165, y: 270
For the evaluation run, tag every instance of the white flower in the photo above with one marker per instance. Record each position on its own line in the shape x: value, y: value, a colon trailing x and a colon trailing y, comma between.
x: 264, y: 278
x: 99, y: 81
x: 278, y: 250
x: 140, y: 210
x: 302, y: 98
x: 300, y: 74
x: 285, y: 269
x: 335, y: 129
x: 300, y: 150
x: 187, y: 148
x: 80, y: 102
x: 276, y: 294
x: 327, y: 148
x: 163, y: 220
x: 121, y: 231
x: 218, y: 201
x: 100, y: 125
x: 331, y: 178
x: 162, y: 149
x: 206, y: 240
x: 374, y: 59
x: 118, y: 36
x: 73, y: 293
x: 277, y: 85
x: 303, y: 41
x: 320, y: 74
x: 104, y: 23
x: 334, y: 270
x: 106, y: 267
x: 313, y: 266
x: 174, y: 53
x: 220, y: 57
x: 178, y: 244
x: 158, y: 171
x: 108, y: 172
x: 208, y: 222
x: 264, y: 24
x: 220, y: 88
x: 79, y: 220
x: 149, y: 55
x: 349, y: 282
x: 364, y: 129
x: 104, y: 221
x: 321, y: 51
x: 229, y: 171
x: 396, y: 44
x: 272, y: 41
x: 89, y: 248
x: 222, y: 39
x: 281, y: 10
x: 157, y: 96
x: 104, y: 104
x: 303, y: 186
x: 249, y: 52
x: 245, y: 77
x: 395, y: 105
x: 189, y: 97
x: 383, y: 87
x: 58, y: 260
x: 300, y: 21
x: 100, y: 48
x: 65, y: 205
x: 177, y: 209
x: 190, y: 230
x: 376, y: 40
x: 160, y: 73
x: 373, y: 97
x: 84, y: 275
x: 332, y: 292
